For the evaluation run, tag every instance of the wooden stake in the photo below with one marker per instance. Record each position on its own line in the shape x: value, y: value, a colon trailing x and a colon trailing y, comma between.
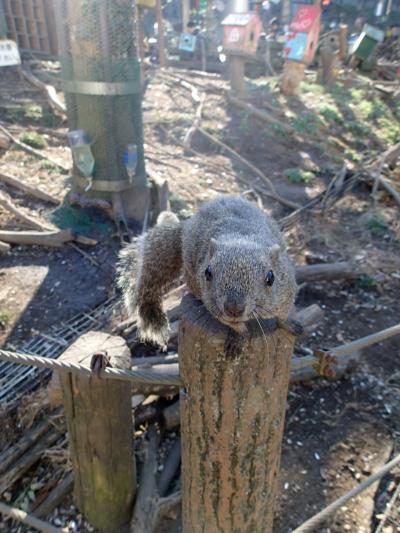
x: 232, y: 414
x: 293, y: 75
x: 161, y: 44
x: 236, y: 74
x: 100, y: 427
x: 343, y: 42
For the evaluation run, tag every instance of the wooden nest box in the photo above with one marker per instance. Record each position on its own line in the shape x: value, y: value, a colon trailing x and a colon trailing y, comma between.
x: 302, y: 39
x: 241, y: 32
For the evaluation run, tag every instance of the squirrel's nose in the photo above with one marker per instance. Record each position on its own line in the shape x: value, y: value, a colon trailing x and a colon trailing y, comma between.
x: 234, y: 309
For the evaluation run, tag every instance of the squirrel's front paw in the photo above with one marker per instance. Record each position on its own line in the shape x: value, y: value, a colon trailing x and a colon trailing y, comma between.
x: 290, y: 325
x: 153, y: 324
x: 234, y: 343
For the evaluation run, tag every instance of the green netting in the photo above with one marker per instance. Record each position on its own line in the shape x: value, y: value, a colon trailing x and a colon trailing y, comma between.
x: 98, y: 56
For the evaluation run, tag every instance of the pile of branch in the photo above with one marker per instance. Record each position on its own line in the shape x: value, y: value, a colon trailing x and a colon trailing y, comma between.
x: 378, y: 172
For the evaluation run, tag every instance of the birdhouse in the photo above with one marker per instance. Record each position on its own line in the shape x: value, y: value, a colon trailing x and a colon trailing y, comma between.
x: 367, y: 42
x: 241, y: 32
x: 302, y: 40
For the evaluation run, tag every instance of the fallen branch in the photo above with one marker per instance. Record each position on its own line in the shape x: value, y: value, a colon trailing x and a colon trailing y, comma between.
x: 33, y: 191
x: 389, y: 156
x: 7, y: 204
x: 48, y: 90
x: 171, y: 466
x: 260, y: 114
x: 4, y: 247
x: 29, y: 520
x: 254, y: 169
x: 326, y: 272
x: 171, y: 416
x: 55, y: 497
x: 29, y: 458
x: 31, y: 151
x: 149, y: 506
x: 38, y: 238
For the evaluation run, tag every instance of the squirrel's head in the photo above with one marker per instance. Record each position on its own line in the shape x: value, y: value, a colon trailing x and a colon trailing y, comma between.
x: 242, y: 281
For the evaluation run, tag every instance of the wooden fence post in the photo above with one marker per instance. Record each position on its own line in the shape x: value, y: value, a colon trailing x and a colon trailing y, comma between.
x: 100, y: 429
x: 232, y: 416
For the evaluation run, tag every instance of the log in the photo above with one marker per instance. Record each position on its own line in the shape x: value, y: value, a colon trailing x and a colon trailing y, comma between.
x: 29, y: 458
x: 171, y: 416
x: 162, y: 59
x: 4, y: 142
x: 100, y: 428
x: 48, y: 90
x: 32, y: 191
x: 29, y: 520
x: 40, y: 238
x: 327, y: 272
x: 232, y: 415
x: 171, y: 466
x: 56, y: 496
x: 4, y: 247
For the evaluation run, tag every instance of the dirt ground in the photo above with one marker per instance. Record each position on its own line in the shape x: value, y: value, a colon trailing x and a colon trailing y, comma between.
x: 337, y: 432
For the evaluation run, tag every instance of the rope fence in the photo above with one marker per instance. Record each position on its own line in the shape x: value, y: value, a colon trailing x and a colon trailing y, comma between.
x: 156, y: 377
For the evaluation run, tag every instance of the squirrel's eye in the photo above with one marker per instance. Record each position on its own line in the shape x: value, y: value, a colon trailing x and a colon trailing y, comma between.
x: 208, y: 273
x: 269, y: 278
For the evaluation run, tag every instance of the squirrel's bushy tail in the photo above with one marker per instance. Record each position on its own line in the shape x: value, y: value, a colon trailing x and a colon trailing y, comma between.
x: 145, y: 270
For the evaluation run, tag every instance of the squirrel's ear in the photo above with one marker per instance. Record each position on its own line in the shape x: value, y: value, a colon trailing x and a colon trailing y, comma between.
x: 275, y: 250
x: 212, y: 247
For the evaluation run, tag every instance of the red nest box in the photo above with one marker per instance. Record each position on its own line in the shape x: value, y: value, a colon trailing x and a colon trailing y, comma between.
x: 302, y: 39
x: 241, y: 32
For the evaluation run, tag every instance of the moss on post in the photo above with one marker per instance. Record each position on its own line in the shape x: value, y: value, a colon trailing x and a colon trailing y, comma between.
x: 232, y: 415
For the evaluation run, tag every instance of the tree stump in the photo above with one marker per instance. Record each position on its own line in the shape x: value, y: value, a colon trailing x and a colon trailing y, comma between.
x: 100, y: 428
x: 232, y: 416
x: 236, y: 74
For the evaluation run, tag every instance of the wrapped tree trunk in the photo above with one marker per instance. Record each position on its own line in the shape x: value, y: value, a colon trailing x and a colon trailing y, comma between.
x: 232, y: 415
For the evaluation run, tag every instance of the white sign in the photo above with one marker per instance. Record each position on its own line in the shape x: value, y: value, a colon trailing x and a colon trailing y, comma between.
x: 9, y: 54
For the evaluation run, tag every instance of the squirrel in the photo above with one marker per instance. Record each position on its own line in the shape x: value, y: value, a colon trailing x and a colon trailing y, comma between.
x: 233, y: 258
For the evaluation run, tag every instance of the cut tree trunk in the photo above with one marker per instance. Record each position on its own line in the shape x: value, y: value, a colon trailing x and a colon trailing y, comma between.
x: 232, y: 415
x: 100, y: 428
x: 293, y: 75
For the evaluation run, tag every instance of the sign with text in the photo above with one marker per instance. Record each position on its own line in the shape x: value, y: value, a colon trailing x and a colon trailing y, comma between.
x: 9, y: 54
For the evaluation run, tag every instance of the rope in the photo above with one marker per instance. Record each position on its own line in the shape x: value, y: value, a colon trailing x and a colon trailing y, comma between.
x: 147, y: 377
x: 150, y: 377
x: 312, y: 523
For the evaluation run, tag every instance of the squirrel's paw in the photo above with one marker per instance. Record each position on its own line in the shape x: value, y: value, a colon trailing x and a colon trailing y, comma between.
x: 291, y: 326
x: 234, y: 343
x: 153, y: 325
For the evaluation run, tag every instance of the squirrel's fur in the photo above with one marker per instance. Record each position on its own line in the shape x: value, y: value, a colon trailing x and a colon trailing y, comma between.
x: 226, y: 250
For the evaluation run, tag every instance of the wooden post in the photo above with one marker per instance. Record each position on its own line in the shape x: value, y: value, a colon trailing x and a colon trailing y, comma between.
x: 100, y: 429
x: 185, y: 5
x: 161, y: 44
x: 232, y: 415
x: 343, y: 42
x: 236, y: 74
x: 293, y: 74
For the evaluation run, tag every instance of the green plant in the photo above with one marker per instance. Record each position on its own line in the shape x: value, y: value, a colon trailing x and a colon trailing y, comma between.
x: 33, y: 112
x: 177, y: 203
x: 49, y: 167
x: 33, y: 139
x: 377, y: 224
x: 298, y: 175
x: 4, y: 319
x: 358, y: 128
x: 352, y: 155
x: 366, y: 282
x: 307, y: 123
x: 331, y: 112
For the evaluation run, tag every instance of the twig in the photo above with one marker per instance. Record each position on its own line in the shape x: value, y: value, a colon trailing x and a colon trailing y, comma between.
x: 48, y: 90
x: 25, y: 518
x: 4, y: 247
x: 254, y: 169
x: 314, y: 522
x: 33, y: 191
x: 31, y: 150
x: 55, y: 497
x: 196, y: 122
x: 39, y: 238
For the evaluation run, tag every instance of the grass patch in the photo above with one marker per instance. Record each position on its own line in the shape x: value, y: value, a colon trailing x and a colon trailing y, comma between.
x: 377, y: 224
x: 307, y: 123
x: 78, y: 220
x: 33, y: 139
x: 298, y: 175
x: 331, y: 113
x: 358, y: 128
x: 49, y: 167
x: 366, y: 282
x: 352, y: 155
x: 4, y: 319
x: 33, y: 112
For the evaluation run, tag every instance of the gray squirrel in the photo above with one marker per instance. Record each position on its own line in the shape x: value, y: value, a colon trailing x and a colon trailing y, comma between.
x: 233, y: 258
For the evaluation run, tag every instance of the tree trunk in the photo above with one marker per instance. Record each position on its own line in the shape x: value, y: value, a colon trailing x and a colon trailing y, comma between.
x: 232, y: 415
